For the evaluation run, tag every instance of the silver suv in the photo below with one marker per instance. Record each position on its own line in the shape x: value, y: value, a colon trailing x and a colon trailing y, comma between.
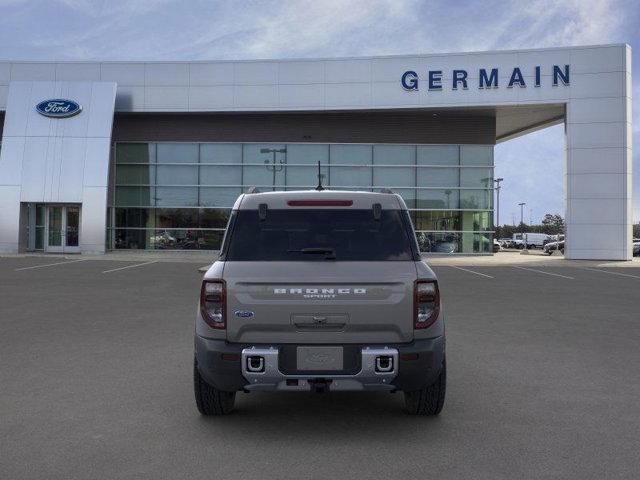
x: 319, y: 291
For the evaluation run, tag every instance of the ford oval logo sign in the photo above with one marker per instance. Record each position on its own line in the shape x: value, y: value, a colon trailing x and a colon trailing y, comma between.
x: 244, y: 313
x: 58, y: 108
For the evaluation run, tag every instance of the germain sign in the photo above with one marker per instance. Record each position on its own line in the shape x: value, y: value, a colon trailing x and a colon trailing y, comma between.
x: 58, y: 108
x: 487, y: 78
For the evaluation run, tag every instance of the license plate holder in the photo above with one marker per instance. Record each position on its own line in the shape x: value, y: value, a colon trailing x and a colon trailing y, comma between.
x: 319, y: 358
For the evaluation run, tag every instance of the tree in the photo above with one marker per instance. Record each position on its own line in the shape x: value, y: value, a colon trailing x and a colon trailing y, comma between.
x: 553, y: 220
x: 552, y: 224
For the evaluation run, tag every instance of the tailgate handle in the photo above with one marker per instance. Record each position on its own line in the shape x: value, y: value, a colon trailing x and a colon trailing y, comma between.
x: 319, y: 322
x: 311, y: 322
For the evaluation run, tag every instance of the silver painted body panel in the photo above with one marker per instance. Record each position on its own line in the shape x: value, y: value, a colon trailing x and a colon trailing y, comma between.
x: 332, y: 302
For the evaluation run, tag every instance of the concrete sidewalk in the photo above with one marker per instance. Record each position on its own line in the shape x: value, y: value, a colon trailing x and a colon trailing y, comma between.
x: 185, y: 256
x: 535, y: 257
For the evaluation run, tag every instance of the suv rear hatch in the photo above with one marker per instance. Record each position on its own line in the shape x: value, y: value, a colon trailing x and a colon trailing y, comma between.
x: 320, y: 276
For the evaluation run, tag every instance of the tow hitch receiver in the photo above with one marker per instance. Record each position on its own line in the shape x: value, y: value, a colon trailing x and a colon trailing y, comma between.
x: 255, y: 364
x: 320, y: 385
x: 384, y: 364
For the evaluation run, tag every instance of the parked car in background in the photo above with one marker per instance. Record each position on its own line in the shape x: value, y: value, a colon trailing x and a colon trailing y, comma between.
x: 506, y: 242
x: 636, y: 247
x: 496, y: 246
x: 533, y: 240
x: 550, y: 247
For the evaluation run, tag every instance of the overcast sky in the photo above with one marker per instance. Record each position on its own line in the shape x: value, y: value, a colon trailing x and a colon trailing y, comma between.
x: 532, y: 166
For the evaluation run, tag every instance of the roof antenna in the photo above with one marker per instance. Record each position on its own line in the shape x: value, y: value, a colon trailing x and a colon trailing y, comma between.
x: 319, y: 187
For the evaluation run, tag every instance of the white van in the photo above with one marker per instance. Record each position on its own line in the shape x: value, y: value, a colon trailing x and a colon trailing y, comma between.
x: 532, y: 240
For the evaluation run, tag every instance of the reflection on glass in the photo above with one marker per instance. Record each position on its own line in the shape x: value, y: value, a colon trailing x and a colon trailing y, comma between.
x: 39, y: 238
x: 394, y: 176
x: 438, y: 155
x: 55, y: 227
x: 176, y: 197
x: 476, y: 199
x: 40, y: 215
x: 438, y: 177
x: 185, y: 187
x: 135, y: 196
x: 151, y: 218
x: 306, y: 177
x: 436, y: 220
x: 350, y: 176
x: 476, y: 221
x: 449, y: 242
x: 440, y: 199
x: 73, y: 226
x: 168, y: 239
x: 220, y: 175
x: 219, y: 197
x: 221, y: 153
x: 455, y: 242
x: 177, y: 175
x: 177, y: 153
x: 476, y: 155
x: 476, y: 177
x: 351, y: 154
x: 307, y: 154
x: 135, y: 153
x: 134, y: 217
x: 394, y: 155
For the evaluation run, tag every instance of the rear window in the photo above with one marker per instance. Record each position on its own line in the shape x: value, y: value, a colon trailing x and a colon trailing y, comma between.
x: 320, y: 235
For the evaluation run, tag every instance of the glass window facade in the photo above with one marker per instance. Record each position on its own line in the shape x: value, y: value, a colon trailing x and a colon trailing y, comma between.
x: 179, y: 195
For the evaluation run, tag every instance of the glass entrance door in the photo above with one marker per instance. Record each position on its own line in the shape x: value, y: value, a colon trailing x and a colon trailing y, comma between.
x: 54, y: 230
x: 72, y: 229
x: 62, y: 229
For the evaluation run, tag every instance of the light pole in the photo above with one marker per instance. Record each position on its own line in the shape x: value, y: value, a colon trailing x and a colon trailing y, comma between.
x: 498, y: 187
x: 524, y: 240
x: 273, y: 165
x: 522, y: 213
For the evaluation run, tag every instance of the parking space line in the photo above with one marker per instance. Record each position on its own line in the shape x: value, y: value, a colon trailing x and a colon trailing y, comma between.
x: 544, y: 273
x: 610, y: 273
x: 130, y: 266
x: 49, y: 265
x: 471, y: 271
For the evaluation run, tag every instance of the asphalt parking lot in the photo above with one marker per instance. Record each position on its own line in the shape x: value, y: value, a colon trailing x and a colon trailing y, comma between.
x: 95, y: 381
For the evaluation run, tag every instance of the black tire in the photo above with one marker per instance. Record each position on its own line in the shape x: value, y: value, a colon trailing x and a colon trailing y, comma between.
x: 430, y: 399
x: 210, y: 400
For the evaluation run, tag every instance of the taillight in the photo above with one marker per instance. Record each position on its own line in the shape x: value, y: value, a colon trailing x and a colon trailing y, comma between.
x: 426, y: 303
x: 213, y: 299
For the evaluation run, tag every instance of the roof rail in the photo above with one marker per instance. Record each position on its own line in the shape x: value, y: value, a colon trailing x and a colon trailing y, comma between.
x: 387, y: 190
x: 253, y: 190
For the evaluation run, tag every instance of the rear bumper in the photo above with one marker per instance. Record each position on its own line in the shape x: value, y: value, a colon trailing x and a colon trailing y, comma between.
x: 224, y: 365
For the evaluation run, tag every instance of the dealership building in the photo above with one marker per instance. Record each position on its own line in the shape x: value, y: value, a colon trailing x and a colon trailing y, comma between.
x: 99, y: 156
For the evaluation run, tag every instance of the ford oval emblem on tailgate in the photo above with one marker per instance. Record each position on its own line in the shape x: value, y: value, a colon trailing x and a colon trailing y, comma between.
x: 243, y: 313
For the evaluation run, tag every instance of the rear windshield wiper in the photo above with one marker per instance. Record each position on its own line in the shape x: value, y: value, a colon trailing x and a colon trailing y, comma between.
x: 330, y: 253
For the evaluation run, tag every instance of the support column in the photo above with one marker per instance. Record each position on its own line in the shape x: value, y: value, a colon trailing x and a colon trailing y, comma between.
x: 598, y: 208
